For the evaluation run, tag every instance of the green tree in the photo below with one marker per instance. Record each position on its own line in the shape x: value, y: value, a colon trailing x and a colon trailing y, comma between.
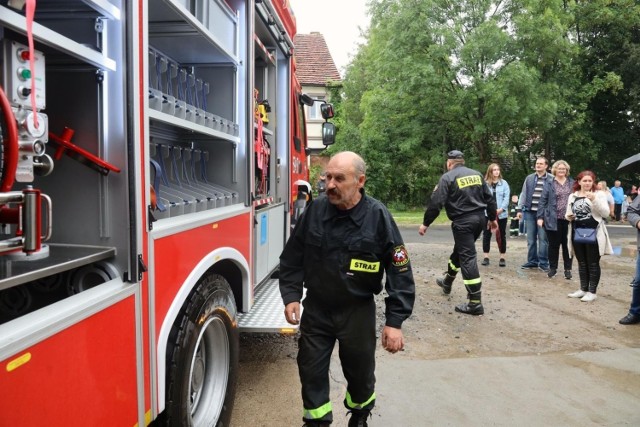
x: 501, y: 80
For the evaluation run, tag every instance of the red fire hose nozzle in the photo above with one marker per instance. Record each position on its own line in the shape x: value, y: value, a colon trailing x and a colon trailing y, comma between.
x: 64, y: 145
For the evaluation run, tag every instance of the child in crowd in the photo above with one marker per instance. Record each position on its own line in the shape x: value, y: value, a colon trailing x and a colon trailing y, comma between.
x: 514, y: 226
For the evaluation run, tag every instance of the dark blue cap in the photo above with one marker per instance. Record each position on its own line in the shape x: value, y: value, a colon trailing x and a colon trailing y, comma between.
x: 455, y: 154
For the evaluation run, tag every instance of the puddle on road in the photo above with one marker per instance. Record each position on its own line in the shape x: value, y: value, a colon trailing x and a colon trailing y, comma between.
x: 625, y: 251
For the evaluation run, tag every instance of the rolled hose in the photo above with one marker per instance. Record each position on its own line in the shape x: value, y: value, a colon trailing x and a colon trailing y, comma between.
x: 9, y: 144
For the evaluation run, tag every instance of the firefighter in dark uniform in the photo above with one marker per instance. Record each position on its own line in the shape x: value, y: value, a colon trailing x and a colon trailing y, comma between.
x: 339, y: 251
x: 465, y: 197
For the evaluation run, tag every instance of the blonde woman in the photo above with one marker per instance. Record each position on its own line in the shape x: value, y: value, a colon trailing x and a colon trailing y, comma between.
x: 586, y: 209
x: 551, y: 211
x: 501, y: 193
x: 602, y: 186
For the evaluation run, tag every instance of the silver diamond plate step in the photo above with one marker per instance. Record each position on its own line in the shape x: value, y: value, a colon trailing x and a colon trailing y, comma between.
x: 267, y: 314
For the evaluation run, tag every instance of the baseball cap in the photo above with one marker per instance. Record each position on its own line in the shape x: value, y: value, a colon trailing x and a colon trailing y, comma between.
x: 455, y: 154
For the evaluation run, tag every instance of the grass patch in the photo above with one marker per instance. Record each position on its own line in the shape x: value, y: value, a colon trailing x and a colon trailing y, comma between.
x: 414, y: 217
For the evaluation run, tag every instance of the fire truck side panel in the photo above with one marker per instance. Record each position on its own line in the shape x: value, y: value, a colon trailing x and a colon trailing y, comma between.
x: 83, y: 375
x: 181, y: 259
x: 175, y: 256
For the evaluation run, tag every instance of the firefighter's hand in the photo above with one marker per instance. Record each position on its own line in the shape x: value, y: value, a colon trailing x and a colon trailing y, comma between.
x: 493, y: 225
x: 292, y: 313
x: 422, y: 230
x: 392, y: 339
x: 519, y: 215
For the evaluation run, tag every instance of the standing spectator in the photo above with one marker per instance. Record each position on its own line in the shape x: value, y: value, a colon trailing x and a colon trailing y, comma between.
x: 501, y: 192
x: 514, y: 226
x: 343, y: 246
x: 602, y: 186
x: 321, y: 186
x: 551, y: 211
x: 537, y: 244
x: 618, y: 198
x: 522, y: 230
x: 627, y: 201
x: 465, y: 197
x: 633, y: 317
x: 586, y: 209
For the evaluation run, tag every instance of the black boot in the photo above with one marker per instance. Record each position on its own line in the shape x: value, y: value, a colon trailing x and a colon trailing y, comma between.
x: 359, y: 418
x: 445, y: 283
x: 473, y: 306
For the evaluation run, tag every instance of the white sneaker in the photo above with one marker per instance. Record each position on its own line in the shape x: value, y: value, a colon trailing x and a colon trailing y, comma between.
x: 577, y: 294
x: 588, y: 297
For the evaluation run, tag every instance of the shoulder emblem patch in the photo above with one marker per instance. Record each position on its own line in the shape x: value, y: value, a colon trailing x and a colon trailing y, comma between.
x: 400, y: 256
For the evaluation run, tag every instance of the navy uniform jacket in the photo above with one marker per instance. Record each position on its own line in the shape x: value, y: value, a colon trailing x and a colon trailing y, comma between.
x: 341, y: 257
x: 461, y: 191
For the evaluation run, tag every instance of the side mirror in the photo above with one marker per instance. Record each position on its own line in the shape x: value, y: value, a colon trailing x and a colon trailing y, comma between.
x: 328, y: 133
x: 306, y: 99
x: 326, y: 110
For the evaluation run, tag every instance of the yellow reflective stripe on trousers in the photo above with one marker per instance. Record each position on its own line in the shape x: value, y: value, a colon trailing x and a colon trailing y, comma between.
x: 453, y: 267
x: 351, y: 404
x: 315, y: 414
x: 472, y: 281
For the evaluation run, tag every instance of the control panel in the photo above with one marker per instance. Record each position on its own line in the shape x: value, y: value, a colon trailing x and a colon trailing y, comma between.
x: 17, y: 79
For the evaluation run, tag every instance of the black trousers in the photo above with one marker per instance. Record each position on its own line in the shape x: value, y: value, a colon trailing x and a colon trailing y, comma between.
x: 353, y: 326
x: 558, y: 239
x: 588, y: 257
x: 501, y: 237
x: 617, y: 211
x: 464, y: 257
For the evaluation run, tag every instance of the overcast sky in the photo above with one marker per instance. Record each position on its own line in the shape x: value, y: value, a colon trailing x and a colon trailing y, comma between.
x: 337, y: 20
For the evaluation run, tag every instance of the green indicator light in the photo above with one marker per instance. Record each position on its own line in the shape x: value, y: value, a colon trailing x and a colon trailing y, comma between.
x: 25, y: 74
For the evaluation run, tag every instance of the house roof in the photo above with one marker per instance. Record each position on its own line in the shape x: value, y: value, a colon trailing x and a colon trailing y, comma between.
x: 314, y: 64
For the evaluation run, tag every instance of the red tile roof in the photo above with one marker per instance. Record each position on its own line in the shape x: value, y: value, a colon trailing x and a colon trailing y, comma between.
x: 314, y: 64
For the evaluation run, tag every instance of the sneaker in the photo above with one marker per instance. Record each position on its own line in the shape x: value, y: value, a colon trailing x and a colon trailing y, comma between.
x: 502, y: 263
x: 475, y: 309
x: 545, y: 269
x: 567, y: 274
x: 485, y: 261
x: 577, y: 294
x: 528, y: 266
x: 588, y: 297
x: 552, y: 273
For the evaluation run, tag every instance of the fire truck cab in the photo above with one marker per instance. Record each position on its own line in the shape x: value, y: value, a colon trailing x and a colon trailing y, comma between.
x: 151, y: 159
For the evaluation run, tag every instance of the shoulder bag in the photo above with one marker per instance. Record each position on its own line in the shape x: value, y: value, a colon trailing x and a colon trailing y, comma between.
x: 586, y: 236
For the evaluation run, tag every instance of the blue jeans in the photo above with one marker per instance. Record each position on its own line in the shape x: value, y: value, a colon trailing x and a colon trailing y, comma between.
x: 537, y: 242
x: 635, y: 293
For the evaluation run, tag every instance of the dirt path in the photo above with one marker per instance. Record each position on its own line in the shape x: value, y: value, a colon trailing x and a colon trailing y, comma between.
x: 526, y: 314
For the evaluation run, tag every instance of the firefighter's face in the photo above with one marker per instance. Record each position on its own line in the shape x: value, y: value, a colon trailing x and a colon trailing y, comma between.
x: 343, y: 184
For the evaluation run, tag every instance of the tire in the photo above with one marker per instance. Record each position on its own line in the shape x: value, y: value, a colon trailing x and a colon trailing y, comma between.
x: 202, y: 357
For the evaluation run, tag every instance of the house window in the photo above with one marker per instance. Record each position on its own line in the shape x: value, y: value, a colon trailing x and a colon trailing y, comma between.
x: 314, y: 110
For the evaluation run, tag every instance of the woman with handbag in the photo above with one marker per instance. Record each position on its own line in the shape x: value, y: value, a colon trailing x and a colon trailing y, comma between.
x: 588, y: 236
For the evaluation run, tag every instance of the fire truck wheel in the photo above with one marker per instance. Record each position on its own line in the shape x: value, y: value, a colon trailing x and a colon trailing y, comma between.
x: 202, y: 357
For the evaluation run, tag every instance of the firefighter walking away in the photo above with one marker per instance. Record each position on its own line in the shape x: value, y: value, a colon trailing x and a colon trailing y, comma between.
x: 465, y: 196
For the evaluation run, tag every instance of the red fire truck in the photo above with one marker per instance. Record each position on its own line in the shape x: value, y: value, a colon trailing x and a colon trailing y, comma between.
x: 153, y: 161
